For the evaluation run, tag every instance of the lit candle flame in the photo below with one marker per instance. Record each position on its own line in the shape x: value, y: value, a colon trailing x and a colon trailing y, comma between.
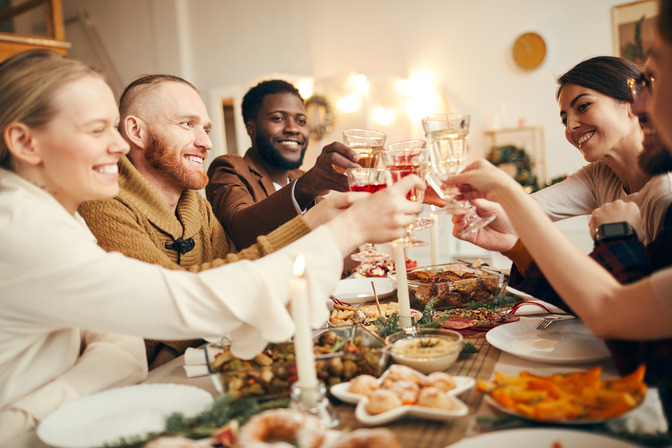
x: 299, y: 266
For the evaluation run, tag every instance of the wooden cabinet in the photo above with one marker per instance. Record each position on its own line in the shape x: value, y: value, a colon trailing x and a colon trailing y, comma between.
x: 12, y: 43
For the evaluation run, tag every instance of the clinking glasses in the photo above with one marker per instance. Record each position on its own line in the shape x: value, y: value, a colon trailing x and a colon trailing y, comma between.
x: 637, y: 85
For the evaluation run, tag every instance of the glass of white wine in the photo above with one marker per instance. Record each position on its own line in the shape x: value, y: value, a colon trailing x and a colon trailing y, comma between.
x: 447, y: 138
x: 367, y: 143
x: 401, y: 159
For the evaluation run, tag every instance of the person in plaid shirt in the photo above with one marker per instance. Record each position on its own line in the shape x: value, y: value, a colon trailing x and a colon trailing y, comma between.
x: 635, y: 334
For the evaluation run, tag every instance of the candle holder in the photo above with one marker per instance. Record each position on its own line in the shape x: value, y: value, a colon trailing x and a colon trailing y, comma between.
x: 314, y: 401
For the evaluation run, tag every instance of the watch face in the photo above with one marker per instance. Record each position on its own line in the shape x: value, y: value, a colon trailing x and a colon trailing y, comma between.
x: 614, y: 229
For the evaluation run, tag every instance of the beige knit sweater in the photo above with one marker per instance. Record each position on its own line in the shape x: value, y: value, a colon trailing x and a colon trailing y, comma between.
x: 139, y: 224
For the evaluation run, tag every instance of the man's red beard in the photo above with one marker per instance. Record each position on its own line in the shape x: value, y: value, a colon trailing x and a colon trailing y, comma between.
x: 170, y: 164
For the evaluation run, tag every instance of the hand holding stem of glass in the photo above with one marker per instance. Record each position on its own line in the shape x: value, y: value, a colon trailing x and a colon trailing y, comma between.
x: 369, y: 180
x: 367, y: 143
x: 402, y: 159
x: 447, y: 137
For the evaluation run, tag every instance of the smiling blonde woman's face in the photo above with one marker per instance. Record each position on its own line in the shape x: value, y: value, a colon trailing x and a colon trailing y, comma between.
x: 80, y: 146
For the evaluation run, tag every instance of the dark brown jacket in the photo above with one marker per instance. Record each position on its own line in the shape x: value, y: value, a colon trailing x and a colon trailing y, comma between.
x: 244, y: 199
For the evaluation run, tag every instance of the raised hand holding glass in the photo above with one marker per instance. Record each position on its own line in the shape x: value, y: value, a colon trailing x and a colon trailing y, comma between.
x: 370, y: 180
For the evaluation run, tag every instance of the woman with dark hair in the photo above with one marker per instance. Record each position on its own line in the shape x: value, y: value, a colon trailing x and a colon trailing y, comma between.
x: 596, y: 110
x: 639, y: 311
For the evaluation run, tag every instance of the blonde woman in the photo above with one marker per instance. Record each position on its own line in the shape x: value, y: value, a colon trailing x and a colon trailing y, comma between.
x: 65, y: 301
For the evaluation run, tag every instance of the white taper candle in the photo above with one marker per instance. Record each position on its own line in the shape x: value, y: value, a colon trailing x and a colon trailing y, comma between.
x: 303, y: 337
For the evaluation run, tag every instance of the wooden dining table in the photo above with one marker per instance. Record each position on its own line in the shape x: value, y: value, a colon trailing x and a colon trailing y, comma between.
x: 409, y: 431
x: 416, y: 432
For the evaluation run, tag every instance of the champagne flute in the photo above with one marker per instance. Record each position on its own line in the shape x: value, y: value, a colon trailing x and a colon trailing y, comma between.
x: 447, y: 137
x: 370, y: 180
x: 367, y: 143
x: 402, y: 159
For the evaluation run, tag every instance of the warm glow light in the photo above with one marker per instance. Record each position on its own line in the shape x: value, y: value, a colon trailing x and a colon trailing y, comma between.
x: 422, y: 96
x: 299, y: 266
x: 360, y: 83
x: 384, y: 116
x: 305, y: 88
x: 349, y: 103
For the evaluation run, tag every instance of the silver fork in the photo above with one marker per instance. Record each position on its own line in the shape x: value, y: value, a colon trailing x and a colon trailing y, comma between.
x: 547, y: 321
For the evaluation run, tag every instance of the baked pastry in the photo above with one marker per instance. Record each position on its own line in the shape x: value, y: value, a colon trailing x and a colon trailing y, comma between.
x: 383, y: 400
x: 432, y: 397
x: 400, y: 372
x: 367, y: 438
x: 407, y: 391
x: 364, y: 385
x: 440, y: 380
x: 281, y: 425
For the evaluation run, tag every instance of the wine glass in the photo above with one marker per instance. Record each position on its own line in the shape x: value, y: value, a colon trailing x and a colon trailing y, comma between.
x: 402, y: 159
x: 367, y: 143
x: 447, y: 137
x: 369, y: 180
x: 421, y: 223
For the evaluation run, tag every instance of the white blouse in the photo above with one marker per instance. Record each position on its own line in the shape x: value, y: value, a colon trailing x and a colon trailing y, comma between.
x: 57, y: 285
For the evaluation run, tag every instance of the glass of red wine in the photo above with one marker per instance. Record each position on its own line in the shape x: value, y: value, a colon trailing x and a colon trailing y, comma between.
x: 370, y: 180
x: 401, y: 159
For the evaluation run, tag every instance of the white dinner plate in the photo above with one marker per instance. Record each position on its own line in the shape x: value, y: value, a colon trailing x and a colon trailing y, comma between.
x: 541, y: 438
x: 564, y: 342
x: 533, y: 309
x: 521, y: 294
x: 107, y: 416
x: 359, y: 290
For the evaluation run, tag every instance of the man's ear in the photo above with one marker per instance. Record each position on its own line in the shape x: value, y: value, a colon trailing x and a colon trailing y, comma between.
x: 251, y: 129
x: 135, y: 130
x: 21, y: 143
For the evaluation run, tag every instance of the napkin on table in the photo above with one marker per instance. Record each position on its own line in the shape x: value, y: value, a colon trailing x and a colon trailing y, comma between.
x: 194, y: 360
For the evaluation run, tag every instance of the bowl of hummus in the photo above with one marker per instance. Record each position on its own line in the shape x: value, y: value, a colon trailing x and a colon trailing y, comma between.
x: 425, y: 349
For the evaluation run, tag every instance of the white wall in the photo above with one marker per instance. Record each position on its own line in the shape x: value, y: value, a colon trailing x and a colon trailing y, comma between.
x: 466, y: 43
x: 224, y: 46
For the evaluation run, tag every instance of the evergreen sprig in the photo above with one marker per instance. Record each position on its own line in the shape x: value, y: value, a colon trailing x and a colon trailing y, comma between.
x: 499, y: 302
x: 222, y: 410
x: 468, y: 349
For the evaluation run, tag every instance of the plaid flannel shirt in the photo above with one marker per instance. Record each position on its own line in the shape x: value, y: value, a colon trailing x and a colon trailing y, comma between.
x: 627, y: 260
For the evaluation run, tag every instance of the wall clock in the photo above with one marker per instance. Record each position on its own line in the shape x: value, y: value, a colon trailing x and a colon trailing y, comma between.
x: 529, y: 51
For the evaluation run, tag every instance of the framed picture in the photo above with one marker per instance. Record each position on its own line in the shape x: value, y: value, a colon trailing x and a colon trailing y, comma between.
x: 521, y: 153
x: 634, y: 25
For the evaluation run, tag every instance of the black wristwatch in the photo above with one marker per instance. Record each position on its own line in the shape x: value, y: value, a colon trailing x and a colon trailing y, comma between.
x: 613, y: 230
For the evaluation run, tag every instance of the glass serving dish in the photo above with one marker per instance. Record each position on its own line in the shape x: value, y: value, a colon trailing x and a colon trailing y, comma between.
x: 340, y: 354
x: 453, y: 284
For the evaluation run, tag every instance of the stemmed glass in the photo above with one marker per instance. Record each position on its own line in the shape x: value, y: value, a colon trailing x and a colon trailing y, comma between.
x: 447, y: 137
x: 369, y: 180
x: 402, y: 159
x: 367, y: 143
